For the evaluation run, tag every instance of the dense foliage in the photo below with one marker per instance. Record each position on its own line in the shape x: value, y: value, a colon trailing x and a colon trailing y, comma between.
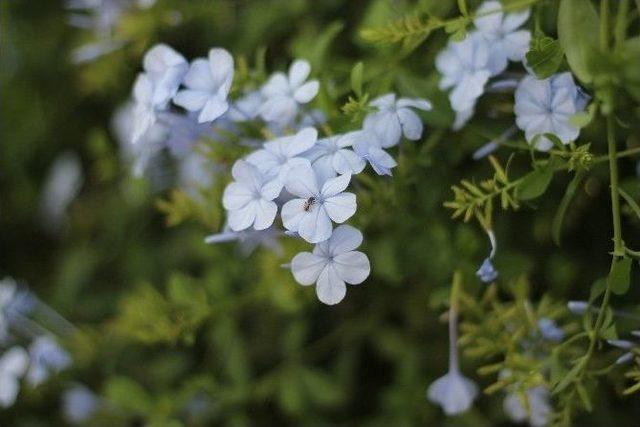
x: 161, y: 329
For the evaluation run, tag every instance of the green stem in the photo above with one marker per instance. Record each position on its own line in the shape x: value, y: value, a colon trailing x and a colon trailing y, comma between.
x: 621, y: 154
x: 620, y: 30
x: 462, y: 5
x: 618, y: 245
x: 604, y: 25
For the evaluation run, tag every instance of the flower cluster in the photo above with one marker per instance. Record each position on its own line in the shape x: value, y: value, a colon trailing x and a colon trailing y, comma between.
x: 542, y: 106
x: 296, y: 173
x: 29, y: 350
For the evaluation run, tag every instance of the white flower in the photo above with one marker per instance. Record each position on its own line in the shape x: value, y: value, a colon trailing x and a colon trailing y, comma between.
x: 333, y: 263
x: 465, y: 66
x: 546, y: 106
x: 453, y: 392
x: 208, y: 83
x: 330, y: 156
x: 538, y: 403
x: 249, y: 239
x: 165, y: 68
x: 284, y: 94
x: 61, y: 188
x: 45, y: 356
x: 367, y: 145
x: 278, y: 156
x: 249, y: 199
x: 506, y: 42
x: 395, y: 118
x: 311, y: 214
x: 79, y: 404
x: 13, y: 365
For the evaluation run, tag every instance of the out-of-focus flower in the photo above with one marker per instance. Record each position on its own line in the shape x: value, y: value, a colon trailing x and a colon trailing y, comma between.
x: 578, y: 307
x: 284, y: 94
x: 249, y: 199
x: 249, y: 239
x: 61, y: 187
x: 317, y: 204
x: 279, y: 156
x: 208, y: 82
x: 333, y: 263
x: 549, y: 330
x: 394, y: 118
x: 506, y: 42
x: 546, y: 106
x: 538, y: 405
x: 79, y: 404
x: 454, y: 392
x: 331, y: 156
x: 367, y: 144
x: 13, y: 365
x: 466, y: 67
x: 487, y: 272
x: 45, y: 357
x: 627, y: 345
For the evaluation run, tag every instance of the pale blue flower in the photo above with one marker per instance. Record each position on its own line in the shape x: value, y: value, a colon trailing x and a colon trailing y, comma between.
x: 578, y: 307
x: 395, y: 118
x: 317, y: 203
x: 465, y: 67
x: 249, y: 240
x: 368, y: 146
x: 249, y: 198
x: 284, y: 94
x: 279, y: 156
x: 208, y: 82
x: 331, y: 156
x: 79, y: 404
x: 500, y: 30
x: 45, y: 357
x: 454, y: 392
x: 546, y: 106
x: 13, y: 365
x: 332, y: 264
x: 549, y: 330
x: 487, y: 272
x: 539, y: 408
x: 60, y: 189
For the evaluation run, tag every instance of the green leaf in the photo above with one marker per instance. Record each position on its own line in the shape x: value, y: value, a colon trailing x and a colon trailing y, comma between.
x: 620, y: 275
x: 558, y: 219
x: 597, y: 289
x: 536, y: 182
x: 570, y: 376
x: 583, y: 118
x: 356, y: 79
x: 584, y: 396
x: 545, y: 55
x: 128, y: 395
x: 578, y: 29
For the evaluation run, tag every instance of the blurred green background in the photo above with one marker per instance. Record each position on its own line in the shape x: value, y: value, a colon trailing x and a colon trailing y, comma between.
x: 176, y: 332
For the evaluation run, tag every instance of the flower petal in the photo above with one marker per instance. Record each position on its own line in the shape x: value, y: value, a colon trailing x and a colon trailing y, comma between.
x: 419, y: 103
x: 242, y: 218
x: 292, y: 213
x: 315, y: 225
x: 306, y: 267
x: 301, y: 142
x: 301, y: 181
x: 345, y: 238
x: 352, y: 267
x: 411, y: 124
x: 298, y: 72
x: 221, y: 66
x: 265, y: 214
x: 330, y: 288
x: 199, y: 76
x: 347, y: 162
x: 341, y: 207
x: 191, y: 100
x: 306, y: 92
x: 236, y: 196
x: 214, y: 108
x: 335, y: 185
